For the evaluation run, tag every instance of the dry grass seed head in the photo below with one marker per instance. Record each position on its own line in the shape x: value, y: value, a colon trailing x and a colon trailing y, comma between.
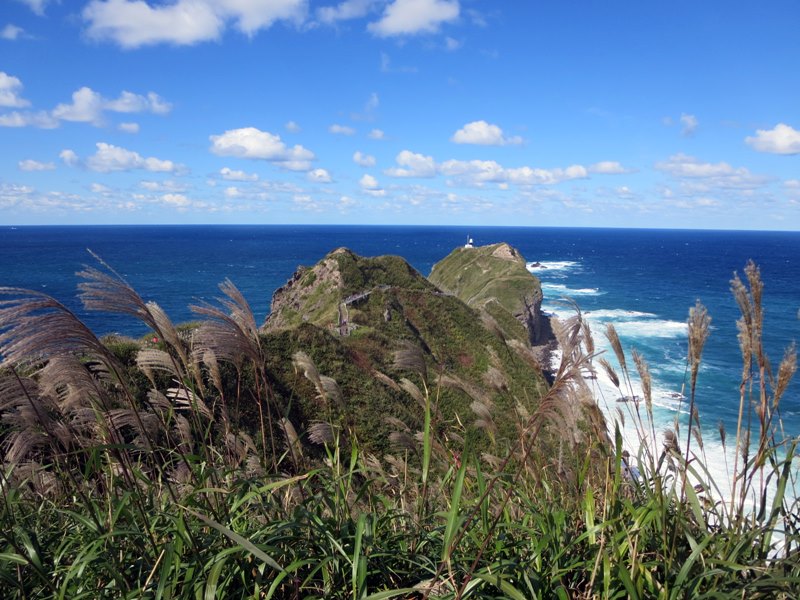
x: 612, y: 374
x: 409, y: 357
x: 616, y: 345
x: 786, y: 371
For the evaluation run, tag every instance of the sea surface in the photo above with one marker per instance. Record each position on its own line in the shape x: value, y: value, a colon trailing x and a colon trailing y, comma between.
x: 644, y: 281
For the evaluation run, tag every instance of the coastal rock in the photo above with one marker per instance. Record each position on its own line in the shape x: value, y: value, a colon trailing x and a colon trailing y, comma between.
x: 494, y: 279
x: 473, y: 323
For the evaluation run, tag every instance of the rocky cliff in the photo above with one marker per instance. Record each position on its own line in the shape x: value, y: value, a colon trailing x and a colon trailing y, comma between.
x: 472, y: 325
x: 494, y: 279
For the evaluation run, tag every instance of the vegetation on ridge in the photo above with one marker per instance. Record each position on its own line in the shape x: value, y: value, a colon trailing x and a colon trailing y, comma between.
x: 111, y: 493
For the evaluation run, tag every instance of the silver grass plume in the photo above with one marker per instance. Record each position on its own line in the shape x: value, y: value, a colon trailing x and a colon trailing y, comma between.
x: 386, y: 380
x: 786, y: 371
x: 293, y: 444
x: 321, y: 433
x: 616, y: 345
x: 230, y: 330
x: 411, y: 358
x: 647, y: 382
x: 699, y: 325
x: 612, y: 374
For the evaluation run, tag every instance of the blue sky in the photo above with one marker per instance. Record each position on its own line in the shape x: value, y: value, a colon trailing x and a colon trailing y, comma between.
x: 617, y: 113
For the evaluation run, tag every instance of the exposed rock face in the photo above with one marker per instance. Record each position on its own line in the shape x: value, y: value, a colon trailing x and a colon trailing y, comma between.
x: 494, y: 278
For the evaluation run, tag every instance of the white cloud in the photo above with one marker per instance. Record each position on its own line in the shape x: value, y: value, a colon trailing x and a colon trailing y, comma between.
x: 179, y: 200
x: 484, y: 134
x: 129, y: 102
x: 86, y: 107
x: 363, y: 160
x: 35, y: 165
x: 376, y: 134
x: 341, y: 129
x: 689, y: 124
x: 37, y: 6
x: 10, y: 88
x: 292, y: 127
x: 706, y: 176
x: 41, y: 119
x: 608, y: 167
x: 11, y: 32
x: 480, y: 172
x: 249, y: 142
x: 370, y: 185
x: 408, y: 17
x: 99, y: 188
x: 413, y: 165
x: 110, y: 158
x: 349, y: 9
x: 69, y: 158
x: 129, y: 127
x: 369, y: 182
x: 134, y: 23
x: 231, y: 175
x: 168, y: 185
x: 319, y: 176
x: 781, y: 139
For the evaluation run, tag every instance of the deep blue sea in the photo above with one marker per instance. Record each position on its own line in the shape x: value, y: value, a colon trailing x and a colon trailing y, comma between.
x: 644, y: 281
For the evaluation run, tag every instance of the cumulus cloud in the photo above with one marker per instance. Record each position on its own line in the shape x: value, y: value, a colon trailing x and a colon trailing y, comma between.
x: 376, y: 134
x: 249, y: 142
x: 370, y: 185
x: 109, y: 158
x: 135, y: 23
x: 781, y: 139
x: 344, y: 11
x: 689, y: 125
x: 129, y: 127
x: 319, y: 176
x: 69, y: 158
x: 292, y: 127
x: 409, y: 17
x: 479, y: 172
x: 721, y: 174
x: 231, y: 175
x: 363, y: 160
x: 608, y: 167
x: 40, y: 119
x: 35, y: 165
x: 483, y: 134
x: 178, y: 200
x: 99, y: 188
x: 10, y: 89
x: 341, y: 129
x: 411, y: 164
x: 11, y: 32
x: 87, y: 106
x: 129, y: 102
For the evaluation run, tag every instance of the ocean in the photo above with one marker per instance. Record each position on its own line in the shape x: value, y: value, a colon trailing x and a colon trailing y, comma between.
x: 644, y: 281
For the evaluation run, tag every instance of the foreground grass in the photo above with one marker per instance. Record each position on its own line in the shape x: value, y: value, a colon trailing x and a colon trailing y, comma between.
x: 108, y: 495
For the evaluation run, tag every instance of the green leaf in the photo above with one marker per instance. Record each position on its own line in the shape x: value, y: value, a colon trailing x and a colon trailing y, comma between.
x: 242, y: 541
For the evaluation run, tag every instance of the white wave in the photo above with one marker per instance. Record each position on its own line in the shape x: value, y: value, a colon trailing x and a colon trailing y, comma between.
x: 651, y: 328
x: 563, y: 290
x: 619, y: 314
x: 550, y: 265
